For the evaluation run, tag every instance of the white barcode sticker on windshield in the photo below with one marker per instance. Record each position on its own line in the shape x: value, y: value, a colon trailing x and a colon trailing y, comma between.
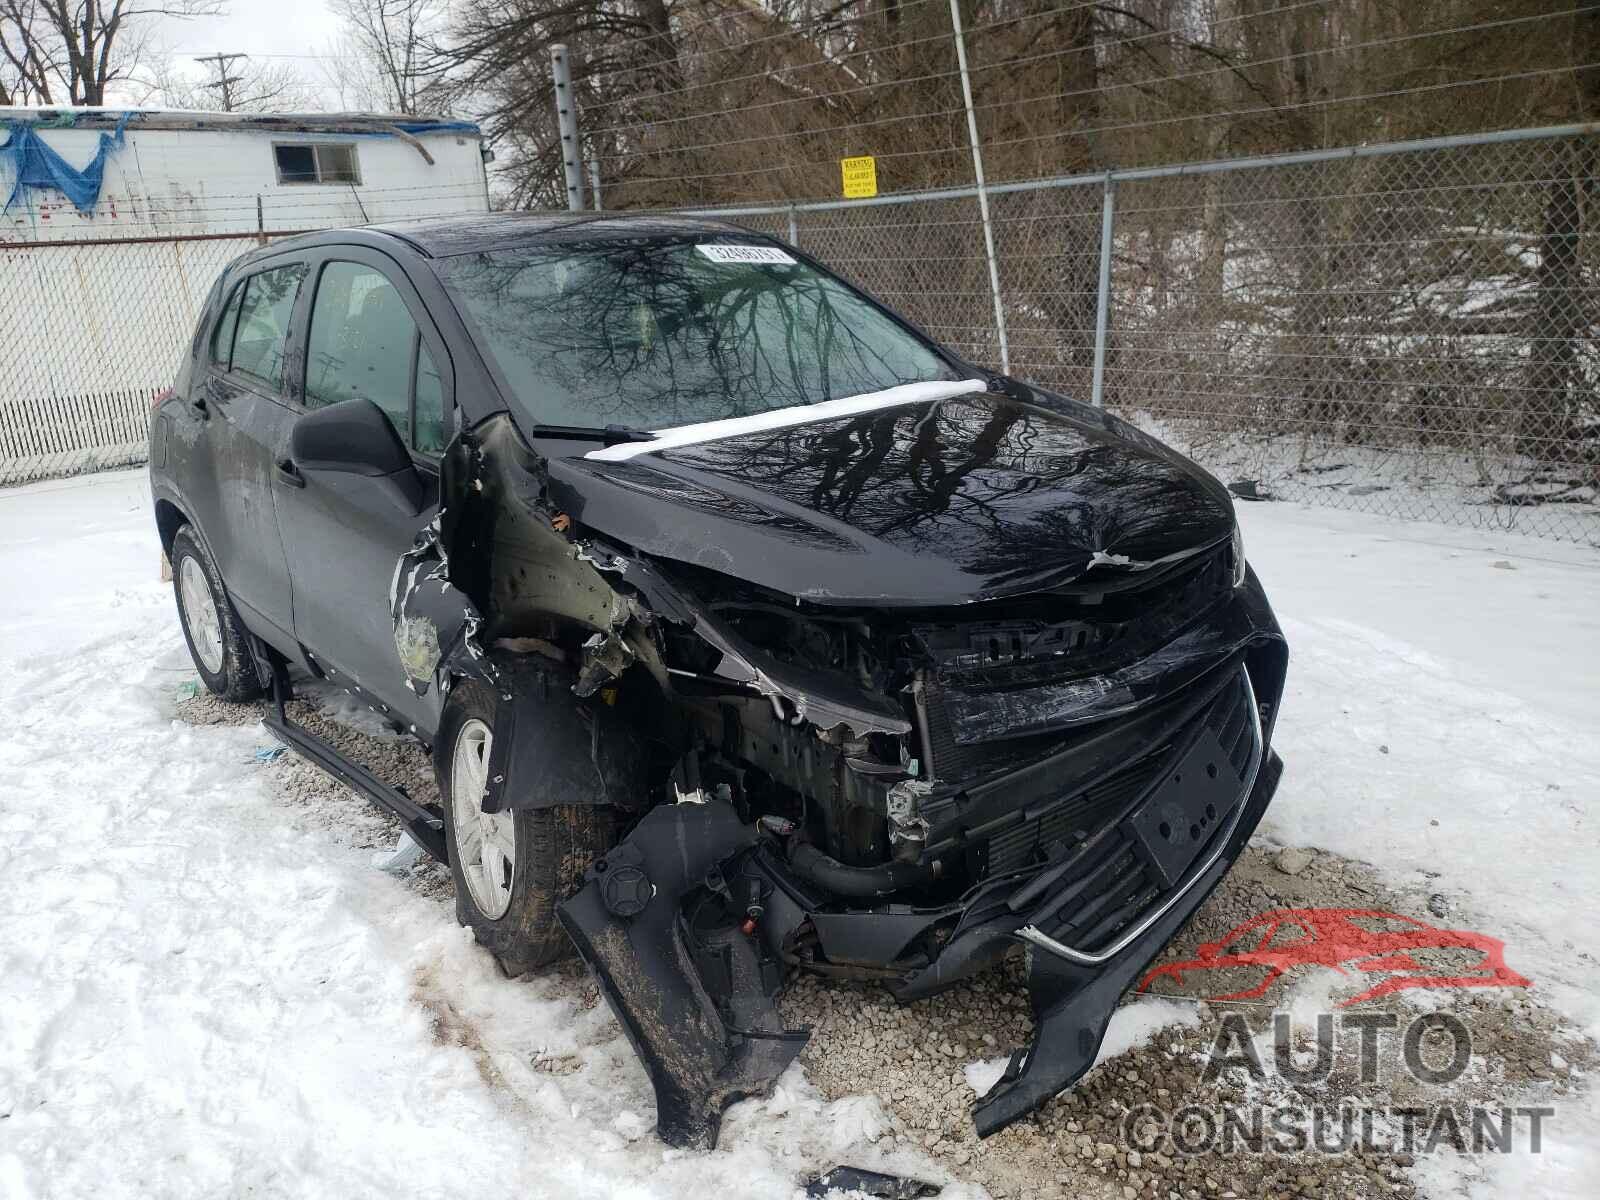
x: 744, y: 254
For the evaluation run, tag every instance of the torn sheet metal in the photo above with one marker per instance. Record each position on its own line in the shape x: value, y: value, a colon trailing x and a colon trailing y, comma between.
x: 624, y: 640
x: 436, y: 625
x: 605, y: 657
x: 815, y: 696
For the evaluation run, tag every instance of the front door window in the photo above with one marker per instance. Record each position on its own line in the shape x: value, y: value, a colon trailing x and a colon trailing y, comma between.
x: 363, y: 344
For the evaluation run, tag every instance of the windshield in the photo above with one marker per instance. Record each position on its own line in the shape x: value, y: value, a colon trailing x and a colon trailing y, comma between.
x: 654, y: 334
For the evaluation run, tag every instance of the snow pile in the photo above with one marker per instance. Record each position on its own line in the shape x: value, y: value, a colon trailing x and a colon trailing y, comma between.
x: 206, y: 992
x: 1136, y: 1024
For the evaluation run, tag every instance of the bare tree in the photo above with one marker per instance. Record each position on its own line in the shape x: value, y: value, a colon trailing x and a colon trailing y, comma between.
x: 70, y: 51
x: 391, y: 38
x: 628, y: 51
x: 350, y: 76
x: 254, y: 86
x: 29, y: 65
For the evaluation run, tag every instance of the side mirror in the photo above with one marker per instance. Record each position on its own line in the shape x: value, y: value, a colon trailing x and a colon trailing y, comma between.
x: 354, y: 437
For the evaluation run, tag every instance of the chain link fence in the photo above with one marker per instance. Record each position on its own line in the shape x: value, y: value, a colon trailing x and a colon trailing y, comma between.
x: 90, y: 331
x: 1405, y: 330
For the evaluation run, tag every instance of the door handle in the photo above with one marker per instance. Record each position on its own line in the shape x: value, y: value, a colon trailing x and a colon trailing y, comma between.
x: 208, y: 397
x: 289, y: 474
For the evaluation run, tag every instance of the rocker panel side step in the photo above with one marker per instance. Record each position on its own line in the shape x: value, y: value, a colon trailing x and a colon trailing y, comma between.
x: 425, y: 829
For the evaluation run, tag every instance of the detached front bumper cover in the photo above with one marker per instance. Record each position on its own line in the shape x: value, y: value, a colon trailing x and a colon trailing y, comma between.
x: 1074, y: 993
x: 696, y: 998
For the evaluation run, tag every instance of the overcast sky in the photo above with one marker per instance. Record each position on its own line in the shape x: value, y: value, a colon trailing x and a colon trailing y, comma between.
x: 263, y: 27
x: 273, y: 32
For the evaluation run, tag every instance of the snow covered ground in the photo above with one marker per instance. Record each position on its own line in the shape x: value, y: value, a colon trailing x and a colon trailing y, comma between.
x: 202, y: 992
x: 1440, y: 722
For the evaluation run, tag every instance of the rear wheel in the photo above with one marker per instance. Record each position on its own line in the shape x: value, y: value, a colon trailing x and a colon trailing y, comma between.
x: 510, y: 868
x: 217, y: 639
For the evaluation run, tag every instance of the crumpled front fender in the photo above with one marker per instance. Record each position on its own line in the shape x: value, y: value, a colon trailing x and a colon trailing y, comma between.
x: 552, y: 747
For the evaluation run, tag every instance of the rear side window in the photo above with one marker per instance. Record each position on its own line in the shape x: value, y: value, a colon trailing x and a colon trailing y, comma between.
x: 263, y: 323
x: 222, y: 335
x: 363, y: 343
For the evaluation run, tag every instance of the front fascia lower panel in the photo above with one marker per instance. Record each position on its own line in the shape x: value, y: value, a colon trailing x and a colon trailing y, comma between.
x: 627, y: 923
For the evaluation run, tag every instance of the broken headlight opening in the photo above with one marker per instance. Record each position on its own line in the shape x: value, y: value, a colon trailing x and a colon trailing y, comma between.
x: 1236, y: 555
x: 904, y: 796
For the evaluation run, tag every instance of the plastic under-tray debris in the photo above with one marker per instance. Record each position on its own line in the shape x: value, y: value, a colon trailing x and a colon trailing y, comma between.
x: 856, y: 1181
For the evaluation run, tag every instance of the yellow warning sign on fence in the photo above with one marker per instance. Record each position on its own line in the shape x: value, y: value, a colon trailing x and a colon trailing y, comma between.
x: 860, y: 177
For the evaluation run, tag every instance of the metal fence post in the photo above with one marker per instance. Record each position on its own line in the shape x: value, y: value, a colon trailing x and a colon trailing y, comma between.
x: 1102, y: 311
x: 983, y: 193
x: 794, y: 227
x: 594, y: 179
x: 567, y: 119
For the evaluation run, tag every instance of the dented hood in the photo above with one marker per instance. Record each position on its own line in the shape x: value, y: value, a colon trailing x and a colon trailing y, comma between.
x: 963, y: 499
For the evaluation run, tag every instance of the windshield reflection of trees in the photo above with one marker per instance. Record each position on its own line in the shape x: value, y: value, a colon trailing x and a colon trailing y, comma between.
x: 652, y: 335
x: 1005, y: 491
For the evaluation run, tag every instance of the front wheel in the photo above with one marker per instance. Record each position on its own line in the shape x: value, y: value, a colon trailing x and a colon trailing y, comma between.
x: 510, y: 868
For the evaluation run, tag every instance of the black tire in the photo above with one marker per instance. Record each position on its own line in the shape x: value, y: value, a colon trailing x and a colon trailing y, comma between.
x: 236, y: 680
x: 554, y: 847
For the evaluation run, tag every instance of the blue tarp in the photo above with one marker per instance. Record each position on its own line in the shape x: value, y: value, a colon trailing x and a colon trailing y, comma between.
x: 419, y: 127
x: 38, y: 167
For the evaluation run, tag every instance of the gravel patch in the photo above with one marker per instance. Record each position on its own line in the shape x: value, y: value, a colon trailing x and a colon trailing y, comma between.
x: 913, y: 1057
x: 916, y: 1058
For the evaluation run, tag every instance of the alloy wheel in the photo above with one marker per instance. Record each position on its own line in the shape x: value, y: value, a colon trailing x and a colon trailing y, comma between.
x: 486, y: 842
x: 200, y: 614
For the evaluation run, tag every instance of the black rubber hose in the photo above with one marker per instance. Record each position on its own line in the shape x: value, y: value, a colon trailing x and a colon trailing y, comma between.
x: 861, y: 883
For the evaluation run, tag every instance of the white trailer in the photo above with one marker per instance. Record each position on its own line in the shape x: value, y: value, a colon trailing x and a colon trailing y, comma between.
x: 186, y: 174
x: 115, y: 222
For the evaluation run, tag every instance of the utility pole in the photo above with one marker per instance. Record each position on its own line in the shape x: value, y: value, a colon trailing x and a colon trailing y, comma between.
x: 567, y: 124
x: 983, y: 191
x: 224, y: 81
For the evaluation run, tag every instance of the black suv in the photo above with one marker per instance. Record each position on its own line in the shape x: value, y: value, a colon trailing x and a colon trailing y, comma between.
x: 750, y: 630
